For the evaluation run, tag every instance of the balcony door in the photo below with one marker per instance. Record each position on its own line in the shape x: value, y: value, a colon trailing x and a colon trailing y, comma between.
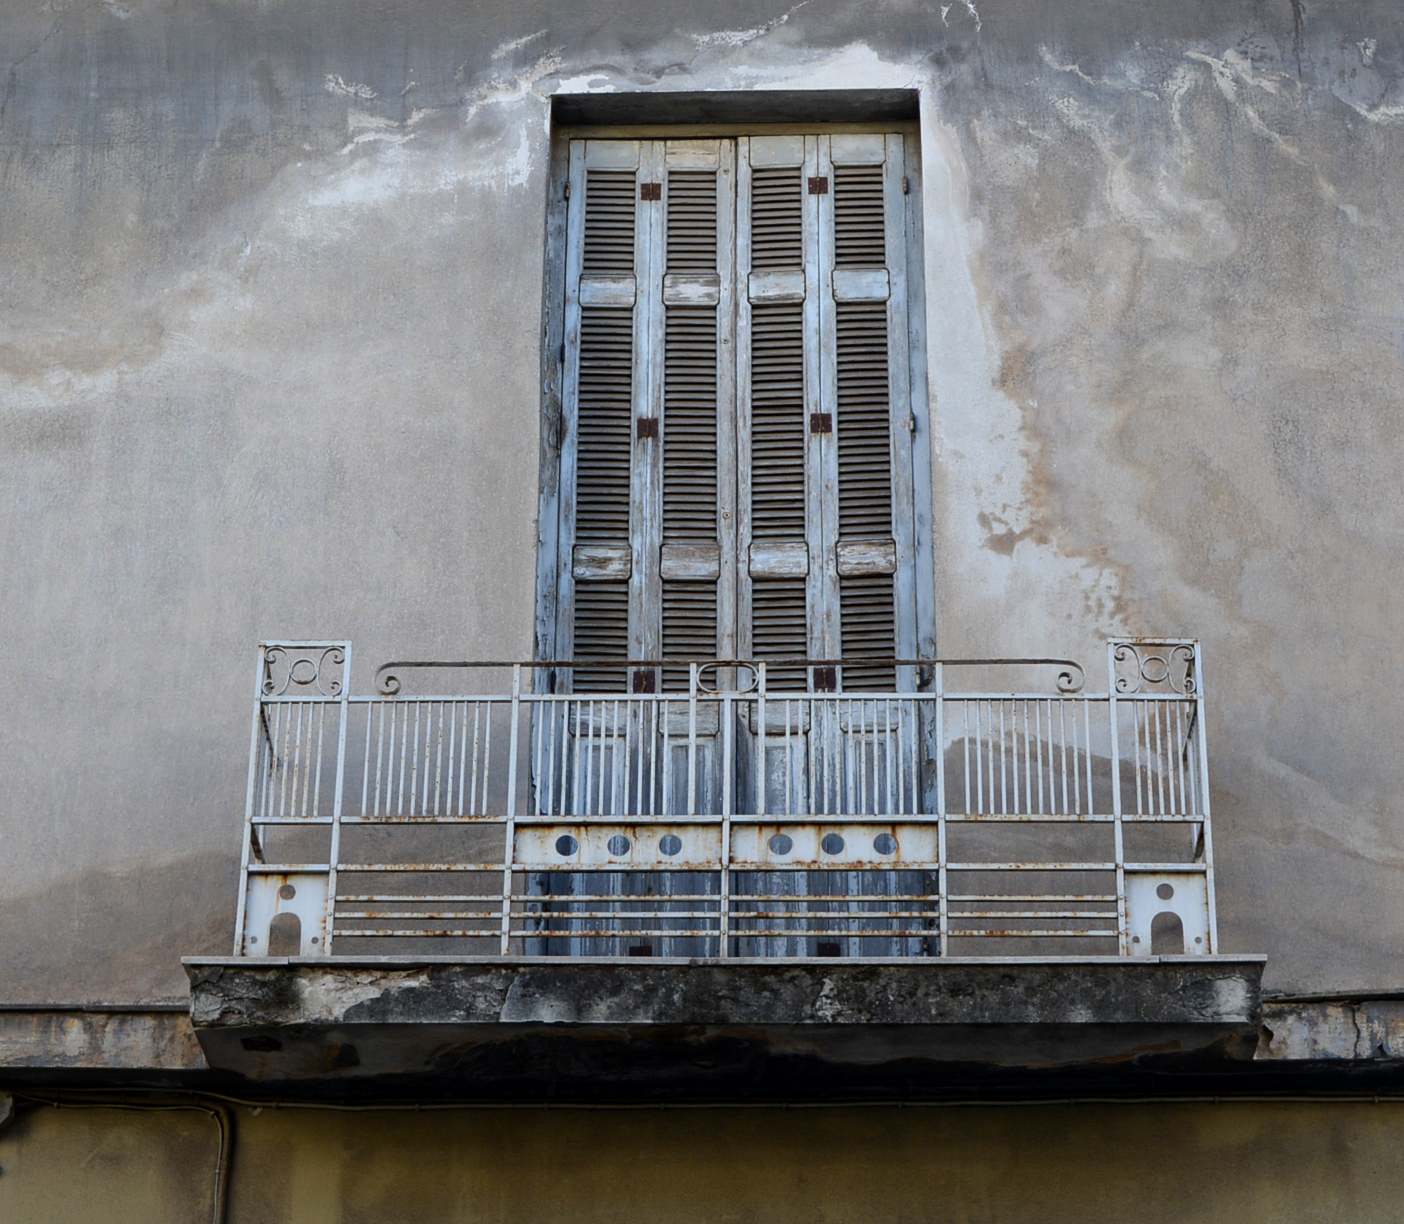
x: 737, y: 449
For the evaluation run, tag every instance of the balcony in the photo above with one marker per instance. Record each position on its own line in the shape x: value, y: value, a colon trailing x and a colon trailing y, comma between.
x: 746, y: 810
x: 709, y: 876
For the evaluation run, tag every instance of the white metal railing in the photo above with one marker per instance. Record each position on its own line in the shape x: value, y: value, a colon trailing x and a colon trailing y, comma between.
x: 729, y: 818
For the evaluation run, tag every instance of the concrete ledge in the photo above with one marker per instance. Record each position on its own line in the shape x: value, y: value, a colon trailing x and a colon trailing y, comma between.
x: 96, y: 1040
x: 1333, y: 1030
x: 683, y: 1021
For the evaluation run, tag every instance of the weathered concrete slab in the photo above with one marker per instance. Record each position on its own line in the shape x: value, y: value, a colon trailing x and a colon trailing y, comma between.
x: 94, y: 1039
x: 1332, y: 1030
x: 304, y: 1019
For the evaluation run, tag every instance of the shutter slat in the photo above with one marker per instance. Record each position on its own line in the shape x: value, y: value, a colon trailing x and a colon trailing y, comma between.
x: 859, y: 207
x: 601, y: 632
x: 604, y: 418
x: 777, y: 204
x: 780, y: 629
x: 609, y: 223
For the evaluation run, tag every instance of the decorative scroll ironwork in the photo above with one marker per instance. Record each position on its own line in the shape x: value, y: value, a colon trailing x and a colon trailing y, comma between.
x: 303, y: 670
x: 1069, y: 679
x: 1154, y: 667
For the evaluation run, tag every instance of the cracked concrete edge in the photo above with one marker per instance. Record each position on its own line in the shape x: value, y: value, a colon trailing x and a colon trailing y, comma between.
x: 1358, y: 1030
x: 1221, y: 991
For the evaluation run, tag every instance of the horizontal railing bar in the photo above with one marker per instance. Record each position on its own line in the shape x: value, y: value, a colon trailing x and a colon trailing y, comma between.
x: 685, y: 933
x: 630, y: 915
x: 417, y: 898
x: 904, y: 932
x: 376, y: 932
x: 1108, y: 898
x: 412, y: 867
x: 445, y: 820
x: 954, y: 914
x: 1016, y: 933
x: 561, y: 898
x: 261, y: 821
x: 417, y: 915
x: 856, y: 915
x: 287, y: 868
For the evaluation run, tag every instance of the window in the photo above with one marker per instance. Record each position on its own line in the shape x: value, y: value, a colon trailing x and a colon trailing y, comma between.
x: 736, y: 458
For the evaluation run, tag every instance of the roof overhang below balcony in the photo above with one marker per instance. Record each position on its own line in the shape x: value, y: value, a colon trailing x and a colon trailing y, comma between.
x: 577, y: 1027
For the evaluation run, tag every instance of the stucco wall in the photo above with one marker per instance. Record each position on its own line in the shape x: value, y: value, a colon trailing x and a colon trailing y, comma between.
x: 269, y: 366
x: 1134, y: 1164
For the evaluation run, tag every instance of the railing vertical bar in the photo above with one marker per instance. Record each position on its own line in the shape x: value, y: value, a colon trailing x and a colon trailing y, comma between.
x: 1063, y: 742
x: 761, y: 775
x: 510, y: 824
x: 334, y: 856
x: 613, y: 762
x: 1206, y: 827
x: 250, y: 799
x: 727, y: 783
x: 789, y: 762
x: 316, y: 761
x: 1087, y: 757
x: 1123, y: 933
x: 692, y: 739
x: 942, y: 884
x: 666, y: 798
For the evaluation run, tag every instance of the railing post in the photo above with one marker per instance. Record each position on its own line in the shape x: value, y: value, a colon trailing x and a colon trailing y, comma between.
x: 510, y: 824
x: 692, y: 740
x: 334, y: 853
x: 1204, y: 800
x: 760, y: 754
x: 249, y: 801
x: 1122, y: 932
x: 728, y: 782
x: 942, y: 883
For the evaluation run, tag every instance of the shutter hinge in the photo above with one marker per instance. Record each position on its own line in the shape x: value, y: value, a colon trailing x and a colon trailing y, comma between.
x: 567, y: 191
x: 906, y: 185
x: 911, y: 422
x: 819, y: 185
x: 821, y: 422
x: 646, y: 427
x: 650, y: 191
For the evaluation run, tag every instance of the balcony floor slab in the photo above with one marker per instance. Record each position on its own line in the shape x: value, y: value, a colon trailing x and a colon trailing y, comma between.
x: 664, y: 1025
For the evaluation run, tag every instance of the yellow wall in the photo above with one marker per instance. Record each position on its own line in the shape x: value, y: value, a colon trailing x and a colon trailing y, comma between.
x: 1040, y: 1165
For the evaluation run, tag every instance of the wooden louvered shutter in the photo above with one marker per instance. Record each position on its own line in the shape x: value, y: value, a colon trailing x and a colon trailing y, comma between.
x: 864, y: 257
x: 825, y: 486
x: 736, y: 467
x: 697, y: 556
x: 773, y: 485
x: 602, y: 343
x: 647, y: 475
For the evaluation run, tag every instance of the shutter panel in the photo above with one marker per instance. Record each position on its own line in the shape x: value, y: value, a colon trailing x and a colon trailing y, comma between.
x: 774, y: 486
x: 866, y: 559
x: 691, y: 551
x: 604, y: 288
